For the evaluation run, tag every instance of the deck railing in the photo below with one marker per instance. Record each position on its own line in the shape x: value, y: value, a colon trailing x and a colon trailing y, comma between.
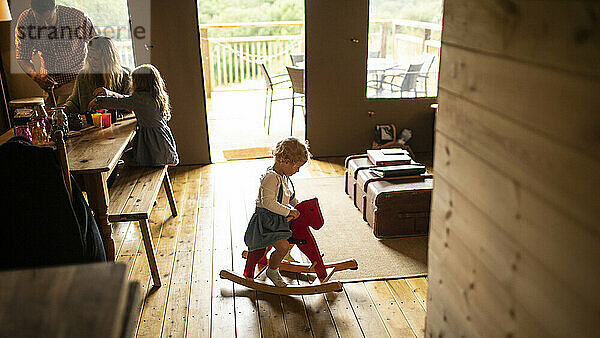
x: 234, y: 60
x: 231, y: 62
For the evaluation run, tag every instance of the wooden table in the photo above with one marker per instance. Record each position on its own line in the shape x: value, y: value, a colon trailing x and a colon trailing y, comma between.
x: 92, y: 157
x: 89, y: 300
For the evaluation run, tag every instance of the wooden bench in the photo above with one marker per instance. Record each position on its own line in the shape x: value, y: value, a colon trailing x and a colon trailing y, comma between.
x: 132, y: 197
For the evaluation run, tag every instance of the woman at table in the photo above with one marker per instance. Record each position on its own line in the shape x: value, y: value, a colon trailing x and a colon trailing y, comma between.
x: 102, y: 69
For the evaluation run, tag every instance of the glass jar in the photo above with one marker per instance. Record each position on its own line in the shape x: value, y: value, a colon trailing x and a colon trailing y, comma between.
x: 59, y: 120
x: 38, y: 134
x: 23, y: 130
x: 75, y: 122
x: 40, y: 117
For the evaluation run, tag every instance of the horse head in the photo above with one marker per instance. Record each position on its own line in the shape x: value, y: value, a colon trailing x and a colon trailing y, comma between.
x: 310, y: 214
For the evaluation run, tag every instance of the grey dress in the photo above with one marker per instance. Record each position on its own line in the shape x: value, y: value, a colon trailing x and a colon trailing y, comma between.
x: 153, y: 144
x: 266, y: 227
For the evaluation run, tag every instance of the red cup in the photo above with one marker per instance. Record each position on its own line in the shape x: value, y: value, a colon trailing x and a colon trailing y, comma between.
x: 105, y: 119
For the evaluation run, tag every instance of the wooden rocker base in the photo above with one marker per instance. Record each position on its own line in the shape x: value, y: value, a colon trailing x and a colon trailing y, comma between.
x: 348, y: 264
x: 289, y: 290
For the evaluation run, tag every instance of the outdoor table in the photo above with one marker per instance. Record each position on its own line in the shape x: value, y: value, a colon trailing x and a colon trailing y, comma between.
x: 92, y: 157
x: 379, y: 66
x: 376, y: 66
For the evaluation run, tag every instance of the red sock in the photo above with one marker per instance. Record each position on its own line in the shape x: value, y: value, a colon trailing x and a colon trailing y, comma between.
x: 251, y: 260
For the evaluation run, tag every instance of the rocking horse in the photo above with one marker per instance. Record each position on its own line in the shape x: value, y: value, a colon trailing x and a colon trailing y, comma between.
x: 310, y: 216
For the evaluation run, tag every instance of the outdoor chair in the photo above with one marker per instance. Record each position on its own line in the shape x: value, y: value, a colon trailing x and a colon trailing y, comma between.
x: 374, y: 53
x: 425, y: 70
x: 297, y: 77
x: 296, y: 59
x: 271, y: 83
x: 408, y: 83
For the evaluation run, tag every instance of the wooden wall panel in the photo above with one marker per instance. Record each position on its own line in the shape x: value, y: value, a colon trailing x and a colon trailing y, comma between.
x: 176, y: 53
x: 516, y: 29
x: 515, y: 236
x: 529, y: 222
x: 527, y: 157
x: 557, y: 104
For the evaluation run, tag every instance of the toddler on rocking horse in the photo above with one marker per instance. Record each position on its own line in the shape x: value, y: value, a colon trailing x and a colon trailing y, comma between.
x: 281, y: 222
x: 275, y: 202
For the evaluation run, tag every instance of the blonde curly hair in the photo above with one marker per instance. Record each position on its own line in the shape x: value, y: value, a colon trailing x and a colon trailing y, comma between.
x: 291, y: 149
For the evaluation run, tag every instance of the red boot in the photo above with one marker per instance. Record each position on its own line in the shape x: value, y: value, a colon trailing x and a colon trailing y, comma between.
x: 251, y: 260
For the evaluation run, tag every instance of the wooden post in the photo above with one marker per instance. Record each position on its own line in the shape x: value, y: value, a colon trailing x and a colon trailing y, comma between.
x: 384, y: 36
x: 426, y: 37
x: 303, y: 40
x: 395, y: 31
x: 205, y: 50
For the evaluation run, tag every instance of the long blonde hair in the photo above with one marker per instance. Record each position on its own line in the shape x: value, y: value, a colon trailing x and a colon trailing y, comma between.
x: 112, y: 72
x: 146, y: 78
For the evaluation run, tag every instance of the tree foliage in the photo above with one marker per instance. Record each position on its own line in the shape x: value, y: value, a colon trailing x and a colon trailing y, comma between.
x: 102, y: 13
x: 114, y: 13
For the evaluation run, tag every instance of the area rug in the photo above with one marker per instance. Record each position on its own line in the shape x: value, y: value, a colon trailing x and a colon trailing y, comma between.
x: 346, y: 235
x: 247, y: 153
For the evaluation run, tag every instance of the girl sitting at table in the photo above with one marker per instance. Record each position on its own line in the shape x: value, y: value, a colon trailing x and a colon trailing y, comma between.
x: 153, y: 144
x: 102, y: 68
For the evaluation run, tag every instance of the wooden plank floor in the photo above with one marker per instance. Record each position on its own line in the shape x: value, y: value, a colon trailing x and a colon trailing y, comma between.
x: 215, y: 203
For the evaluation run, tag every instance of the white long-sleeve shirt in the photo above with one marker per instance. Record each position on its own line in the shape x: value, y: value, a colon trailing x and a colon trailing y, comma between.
x: 269, y: 188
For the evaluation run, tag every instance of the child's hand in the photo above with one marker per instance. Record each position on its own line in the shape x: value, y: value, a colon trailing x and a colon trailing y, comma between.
x: 93, y: 104
x: 294, y: 213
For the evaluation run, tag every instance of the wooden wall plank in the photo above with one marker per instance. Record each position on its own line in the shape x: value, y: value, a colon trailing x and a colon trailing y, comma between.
x: 551, y: 102
x: 514, y: 221
x: 529, y: 158
x: 441, y: 322
x: 532, y: 31
x: 522, y: 216
x: 472, y: 290
x: 475, y: 279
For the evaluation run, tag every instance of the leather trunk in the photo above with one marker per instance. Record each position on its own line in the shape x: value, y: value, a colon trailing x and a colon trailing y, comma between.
x: 355, y: 164
x: 398, y: 208
x: 365, y: 177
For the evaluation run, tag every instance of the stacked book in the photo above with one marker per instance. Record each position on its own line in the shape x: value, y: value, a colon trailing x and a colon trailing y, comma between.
x: 394, y: 163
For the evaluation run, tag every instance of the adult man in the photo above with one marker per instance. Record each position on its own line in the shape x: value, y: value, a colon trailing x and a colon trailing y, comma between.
x: 59, y: 34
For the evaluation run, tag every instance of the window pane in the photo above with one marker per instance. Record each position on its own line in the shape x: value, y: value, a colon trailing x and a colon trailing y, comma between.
x: 404, y: 48
x: 110, y: 18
